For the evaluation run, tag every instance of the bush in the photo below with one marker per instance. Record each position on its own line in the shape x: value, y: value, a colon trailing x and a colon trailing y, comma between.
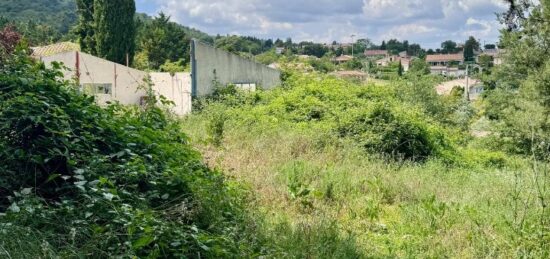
x: 107, y: 182
x: 395, y: 133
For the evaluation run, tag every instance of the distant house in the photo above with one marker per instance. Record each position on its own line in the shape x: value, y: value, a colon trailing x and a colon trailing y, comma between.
x: 376, y: 53
x: 445, y: 59
x: 279, y: 50
x: 405, y: 62
x: 496, y: 54
x: 306, y: 57
x: 342, y: 59
x: 447, y: 71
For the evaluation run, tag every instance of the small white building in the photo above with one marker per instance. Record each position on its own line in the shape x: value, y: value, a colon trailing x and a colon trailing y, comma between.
x: 112, y: 82
x: 448, y: 71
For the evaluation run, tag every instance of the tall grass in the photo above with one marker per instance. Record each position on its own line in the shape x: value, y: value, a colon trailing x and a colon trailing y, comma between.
x: 315, y: 182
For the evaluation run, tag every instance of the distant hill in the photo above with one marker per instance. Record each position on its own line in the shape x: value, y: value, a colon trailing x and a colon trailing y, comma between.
x: 191, y: 32
x: 58, y: 14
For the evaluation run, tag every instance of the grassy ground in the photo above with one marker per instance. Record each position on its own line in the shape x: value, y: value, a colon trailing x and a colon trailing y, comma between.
x: 311, y: 190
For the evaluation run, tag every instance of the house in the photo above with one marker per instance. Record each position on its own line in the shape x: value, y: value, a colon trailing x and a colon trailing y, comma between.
x: 387, y: 61
x: 445, y: 59
x: 376, y: 53
x: 496, y: 54
x: 342, y: 59
x: 279, y: 50
x: 306, y: 57
x: 405, y: 62
x: 112, y: 82
x: 447, y: 71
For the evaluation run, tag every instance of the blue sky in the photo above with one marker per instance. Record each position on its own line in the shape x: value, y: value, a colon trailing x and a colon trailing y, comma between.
x: 428, y: 22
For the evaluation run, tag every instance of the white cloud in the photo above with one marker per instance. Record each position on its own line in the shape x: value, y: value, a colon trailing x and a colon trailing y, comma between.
x: 428, y: 22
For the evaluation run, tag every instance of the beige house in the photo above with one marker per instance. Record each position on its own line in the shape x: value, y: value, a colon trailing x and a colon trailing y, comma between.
x: 496, y: 54
x: 447, y: 71
x: 405, y: 62
x: 112, y: 82
x: 342, y: 59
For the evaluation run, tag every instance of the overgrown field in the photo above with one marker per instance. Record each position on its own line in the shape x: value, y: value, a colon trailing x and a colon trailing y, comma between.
x: 342, y: 170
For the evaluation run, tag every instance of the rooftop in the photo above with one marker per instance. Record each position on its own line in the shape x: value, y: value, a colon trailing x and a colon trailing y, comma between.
x: 445, y: 57
x: 49, y: 50
x: 343, y: 58
x: 376, y: 52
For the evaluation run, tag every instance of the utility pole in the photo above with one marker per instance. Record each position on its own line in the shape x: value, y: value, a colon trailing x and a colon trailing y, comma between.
x: 352, y: 43
x: 467, y: 90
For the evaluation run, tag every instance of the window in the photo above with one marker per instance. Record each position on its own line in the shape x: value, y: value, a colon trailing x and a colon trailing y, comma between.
x: 94, y: 89
x: 251, y: 87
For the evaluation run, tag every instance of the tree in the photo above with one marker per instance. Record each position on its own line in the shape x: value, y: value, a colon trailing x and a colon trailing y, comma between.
x: 383, y: 45
x: 414, y: 50
x: 115, y: 30
x: 470, y: 47
x: 85, y: 27
x: 419, y: 66
x: 362, y: 45
x: 448, y: 47
x: 521, y: 98
x: 267, y: 45
x: 279, y: 43
x: 400, y: 69
x: 486, y: 62
x: 288, y: 43
x: 163, y: 41
x: 9, y: 38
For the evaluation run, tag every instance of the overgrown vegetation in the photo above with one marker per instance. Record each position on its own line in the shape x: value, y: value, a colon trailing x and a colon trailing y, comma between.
x: 79, y: 180
x: 392, y: 169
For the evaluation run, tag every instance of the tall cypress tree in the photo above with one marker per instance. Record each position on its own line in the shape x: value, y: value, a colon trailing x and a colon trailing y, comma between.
x: 115, y: 29
x: 85, y: 27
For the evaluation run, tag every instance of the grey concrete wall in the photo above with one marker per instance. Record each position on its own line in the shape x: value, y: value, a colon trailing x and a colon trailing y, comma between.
x: 209, y: 64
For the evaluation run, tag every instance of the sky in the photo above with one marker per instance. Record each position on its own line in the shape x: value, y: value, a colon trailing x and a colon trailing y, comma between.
x: 427, y: 22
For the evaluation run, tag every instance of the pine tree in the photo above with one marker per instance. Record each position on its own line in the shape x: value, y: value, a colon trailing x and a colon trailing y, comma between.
x: 85, y: 27
x: 400, y: 69
x: 469, y: 49
x: 383, y: 46
x: 115, y: 29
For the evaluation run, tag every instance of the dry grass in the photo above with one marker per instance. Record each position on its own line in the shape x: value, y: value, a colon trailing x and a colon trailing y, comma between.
x: 391, y: 209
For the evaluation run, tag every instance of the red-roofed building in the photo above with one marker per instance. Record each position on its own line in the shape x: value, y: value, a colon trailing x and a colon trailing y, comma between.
x: 445, y: 59
x: 376, y: 53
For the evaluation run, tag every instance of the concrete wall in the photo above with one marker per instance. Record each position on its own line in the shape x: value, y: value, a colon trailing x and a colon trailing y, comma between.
x: 209, y: 64
x: 126, y: 82
x: 176, y: 88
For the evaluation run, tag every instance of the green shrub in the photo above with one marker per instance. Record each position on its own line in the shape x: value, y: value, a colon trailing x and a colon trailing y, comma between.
x: 395, y: 133
x: 107, y: 182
